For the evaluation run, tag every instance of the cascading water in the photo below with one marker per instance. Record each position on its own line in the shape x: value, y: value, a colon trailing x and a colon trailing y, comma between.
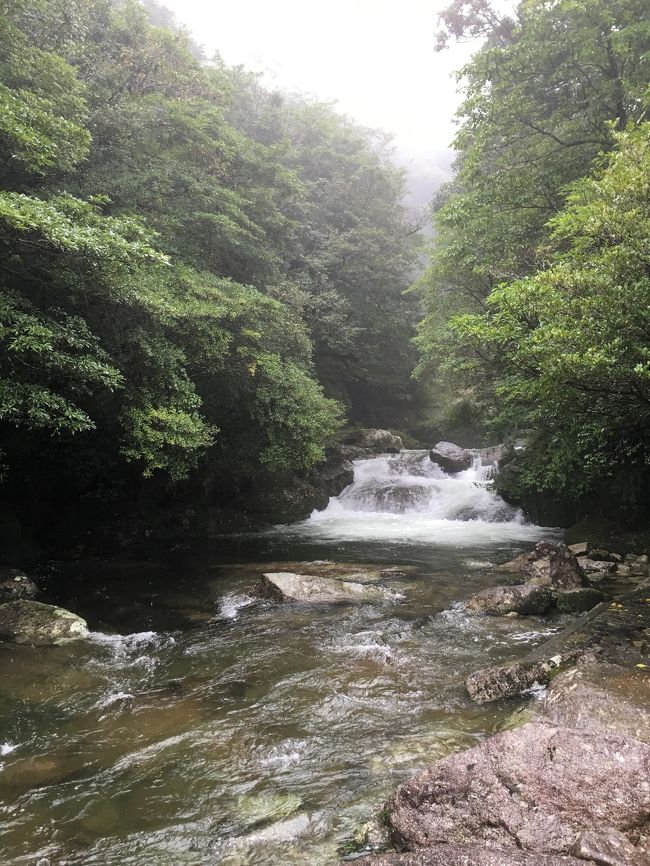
x: 407, y: 497
x: 220, y: 728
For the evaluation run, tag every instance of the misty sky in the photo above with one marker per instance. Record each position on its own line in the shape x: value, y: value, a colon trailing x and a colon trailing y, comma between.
x: 374, y: 58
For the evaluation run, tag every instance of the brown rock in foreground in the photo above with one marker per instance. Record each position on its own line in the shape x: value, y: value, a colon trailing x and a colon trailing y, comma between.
x: 537, y: 788
x: 601, y: 697
x: 470, y: 855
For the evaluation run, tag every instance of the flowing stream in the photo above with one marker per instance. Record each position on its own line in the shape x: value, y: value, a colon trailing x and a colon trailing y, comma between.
x: 202, y: 726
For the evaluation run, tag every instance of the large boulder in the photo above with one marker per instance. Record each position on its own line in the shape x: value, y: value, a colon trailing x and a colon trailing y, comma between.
x: 537, y: 789
x: 501, y: 600
x: 601, y: 697
x: 452, y: 458
x: 39, y: 624
x: 510, y: 680
x: 470, y: 855
x: 14, y: 584
x: 376, y: 441
x: 335, y: 475
x: 565, y: 572
x: 288, y: 586
x: 549, y: 564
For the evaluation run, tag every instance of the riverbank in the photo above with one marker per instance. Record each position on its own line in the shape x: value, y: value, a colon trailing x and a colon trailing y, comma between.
x: 571, y: 785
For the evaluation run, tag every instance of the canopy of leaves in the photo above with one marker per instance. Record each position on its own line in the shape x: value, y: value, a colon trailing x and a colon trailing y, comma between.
x: 543, y: 98
x: 187, y: 262
x: 570, y: 345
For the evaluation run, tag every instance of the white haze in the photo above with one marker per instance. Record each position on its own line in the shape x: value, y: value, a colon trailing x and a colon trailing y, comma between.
x: 374, y: 59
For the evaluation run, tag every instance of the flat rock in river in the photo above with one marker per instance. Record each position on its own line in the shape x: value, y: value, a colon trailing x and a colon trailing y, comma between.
x: 470, y: 855
x: 537, y: 788
x: 287, y: 586
x: 40, y: 624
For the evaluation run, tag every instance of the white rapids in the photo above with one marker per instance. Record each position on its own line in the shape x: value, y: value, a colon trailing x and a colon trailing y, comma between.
x: 406, y: 497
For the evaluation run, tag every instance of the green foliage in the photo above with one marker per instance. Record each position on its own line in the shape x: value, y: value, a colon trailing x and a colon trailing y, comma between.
x: 543, y: 97
x: 568, y: 346
x: 185, y: 261
x: 536, y: 302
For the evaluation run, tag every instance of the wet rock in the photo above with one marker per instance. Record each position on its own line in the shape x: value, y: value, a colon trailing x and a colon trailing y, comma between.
x: 335, y: 475
x: 508, y: 681
x: 371, y: 836
x: 581, y: 548
x: 514, y: 566
x: 14, y: 584
x: 610, y: 848
x: 470, y: 855
x: 549, y: 564
x: 39, y: 624
x: 22, y: 774
x: 601, y: 697
x: 451, y: 458
x: 501, y: 600
x: 536, y: 788
x: 565, y: 572
x: 578, y: 600
x: 287, y: 586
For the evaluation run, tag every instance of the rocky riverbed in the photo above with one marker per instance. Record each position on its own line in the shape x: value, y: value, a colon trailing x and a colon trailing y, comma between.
x: 571, y: 785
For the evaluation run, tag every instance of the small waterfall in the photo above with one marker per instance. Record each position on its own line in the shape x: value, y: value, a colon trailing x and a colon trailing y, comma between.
x: 408, y: 497
x: 410, y: 483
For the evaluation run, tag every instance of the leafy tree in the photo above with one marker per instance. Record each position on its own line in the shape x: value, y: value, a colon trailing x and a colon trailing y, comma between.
x: 544, y: 95
x: 569, y: 345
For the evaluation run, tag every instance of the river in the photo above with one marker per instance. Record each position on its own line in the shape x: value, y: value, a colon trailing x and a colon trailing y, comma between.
x: 202, y: 726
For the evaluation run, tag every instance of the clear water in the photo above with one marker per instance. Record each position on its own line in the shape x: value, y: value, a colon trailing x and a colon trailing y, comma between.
x: 202, y: 726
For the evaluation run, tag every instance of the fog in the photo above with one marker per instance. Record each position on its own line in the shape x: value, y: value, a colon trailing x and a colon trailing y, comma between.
x: 374, y: 59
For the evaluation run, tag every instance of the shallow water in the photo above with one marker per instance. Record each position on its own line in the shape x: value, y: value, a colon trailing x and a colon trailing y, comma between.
x: 200, y: 725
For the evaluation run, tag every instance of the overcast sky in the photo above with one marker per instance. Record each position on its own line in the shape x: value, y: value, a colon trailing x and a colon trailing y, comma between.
x: 373, y: 58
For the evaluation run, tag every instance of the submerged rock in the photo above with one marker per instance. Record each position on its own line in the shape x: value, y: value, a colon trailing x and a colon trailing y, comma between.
x: 501, y: 600
x: 470, y: 855
x: 40, y: 624
x: 258, y: 809
x: 14, y: 584
x: 537, y: 788
x: 287, y: 586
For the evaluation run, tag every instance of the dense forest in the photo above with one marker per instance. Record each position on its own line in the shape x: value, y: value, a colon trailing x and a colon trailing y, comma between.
x: 538, y: 290
x: 203, y: 281
x: 200, y: 278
